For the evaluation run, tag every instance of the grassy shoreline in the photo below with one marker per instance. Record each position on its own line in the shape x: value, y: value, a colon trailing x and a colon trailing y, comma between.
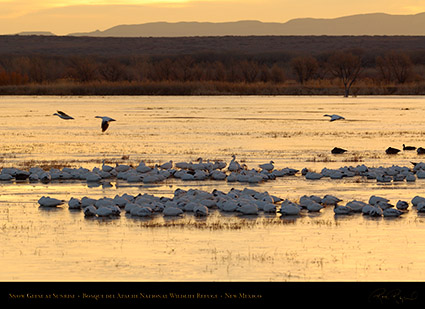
x: 206, y: 88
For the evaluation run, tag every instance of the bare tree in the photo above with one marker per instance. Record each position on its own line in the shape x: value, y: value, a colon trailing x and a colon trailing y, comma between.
x: 347, y: 67
x: 277, y: 75
x: 304, y: 68
x: 83, y: 69
x: 112, y: 71
x: 395, y: 66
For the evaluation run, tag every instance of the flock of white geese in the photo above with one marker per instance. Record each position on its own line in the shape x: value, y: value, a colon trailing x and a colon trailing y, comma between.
x: 208, y: 170
x: 241, y: 202
x: 246, y: 201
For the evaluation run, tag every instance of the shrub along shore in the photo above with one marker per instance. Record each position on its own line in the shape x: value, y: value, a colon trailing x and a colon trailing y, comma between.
x: 254, y: 66
x: 205, y: 88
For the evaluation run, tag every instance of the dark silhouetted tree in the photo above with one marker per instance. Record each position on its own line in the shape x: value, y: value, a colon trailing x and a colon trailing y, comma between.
x: 277, y: 74
x: 304, y: 68
x: 394, y: 66
x: 112, y: 71
x: 83, y: 69
x: 347, y: 67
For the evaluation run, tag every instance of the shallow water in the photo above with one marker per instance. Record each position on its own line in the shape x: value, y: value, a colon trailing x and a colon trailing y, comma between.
x: 59, y: 244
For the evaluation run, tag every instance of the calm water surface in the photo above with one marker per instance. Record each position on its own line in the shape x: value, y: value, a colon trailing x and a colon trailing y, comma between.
x: 59, y: 244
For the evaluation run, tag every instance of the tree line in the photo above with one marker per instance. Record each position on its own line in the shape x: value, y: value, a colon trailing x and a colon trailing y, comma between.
x: 345, y: 67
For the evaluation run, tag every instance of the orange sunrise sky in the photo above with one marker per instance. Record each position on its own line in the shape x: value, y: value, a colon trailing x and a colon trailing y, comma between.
x: 66, y: 16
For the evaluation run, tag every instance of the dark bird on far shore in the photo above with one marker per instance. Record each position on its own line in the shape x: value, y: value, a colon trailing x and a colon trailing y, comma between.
x: 105, y: 122
x: 391, y: 150
x: 338, y: 150
x: 420, y: 150
x: 408, y: 147
x: 63, y: 115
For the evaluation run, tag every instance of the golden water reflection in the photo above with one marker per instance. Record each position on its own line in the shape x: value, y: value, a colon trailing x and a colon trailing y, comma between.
x: 59, y: 244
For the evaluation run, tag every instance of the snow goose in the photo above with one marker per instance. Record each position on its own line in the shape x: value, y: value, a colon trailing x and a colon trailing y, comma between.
x: 129, y: 207
x: 269, y: 208
x: 105, y: 122
x: 141, y: 211
x: 392, y: 212
x: 384, y: 205
x: 63, y: 115
x: 334, y: 117
x: 305, y: 200
x: 375, y: 211
x: 402, y: 205
x: 356, y: 206
x: 182, y: 165
x: 374, y: 199
x: 74, y: 203
x: 267, y: 166
x: 90, y: 211
x: 5, y: 177
x: 410, y: 177
x: 314, y: 207
x: 417, y: 199
x: 234, y: 165
x: 420, y: 207
x: 342, y: 210
x: 218, y: 175
x: 143, y: 168
x: 313, y: 176
x: 108, y: 211
x: 200, y: 211
x: 289, y: 209
x: 248, y: 209
x: 330, y: 200
x: 172, y: 211
x: 233, y: 176
x: 227, y: 205
x: 47, y: 201
x: 93, y: 177
x: 106, y: 168
x: 87, y: 201
x: 383, y: 178
x: 168, y: 165
x: 219, y: 165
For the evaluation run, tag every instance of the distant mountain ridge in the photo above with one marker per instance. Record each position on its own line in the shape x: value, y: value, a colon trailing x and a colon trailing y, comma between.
x: 361, y: 24
x: 41, y: 33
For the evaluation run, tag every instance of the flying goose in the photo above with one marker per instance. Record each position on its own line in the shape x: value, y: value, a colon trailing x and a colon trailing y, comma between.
x: 334, y: 117
x: 105, y: 122
x: 63, y: 115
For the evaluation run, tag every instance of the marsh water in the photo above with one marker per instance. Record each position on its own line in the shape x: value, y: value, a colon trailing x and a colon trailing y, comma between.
x: 62, y: 245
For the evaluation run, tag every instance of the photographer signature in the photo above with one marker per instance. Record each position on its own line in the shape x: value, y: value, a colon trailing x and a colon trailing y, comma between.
x: 396, y: 296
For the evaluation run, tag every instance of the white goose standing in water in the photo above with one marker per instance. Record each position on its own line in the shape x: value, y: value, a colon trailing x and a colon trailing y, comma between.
x: 105, y: 122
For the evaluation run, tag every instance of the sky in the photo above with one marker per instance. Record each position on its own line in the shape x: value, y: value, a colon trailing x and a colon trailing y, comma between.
x: 67, y: 16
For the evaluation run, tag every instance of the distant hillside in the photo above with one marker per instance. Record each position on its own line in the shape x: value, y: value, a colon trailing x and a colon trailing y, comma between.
x: 44, y: 33
x: 19, y: 45
x: 364, y: 24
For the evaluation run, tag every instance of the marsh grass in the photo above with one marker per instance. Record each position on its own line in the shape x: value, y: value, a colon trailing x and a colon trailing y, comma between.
x: 354, y: 158
x: 233, y: 223
x: 320, y: 158
x: 60, y: 164
x: 178, y: 87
